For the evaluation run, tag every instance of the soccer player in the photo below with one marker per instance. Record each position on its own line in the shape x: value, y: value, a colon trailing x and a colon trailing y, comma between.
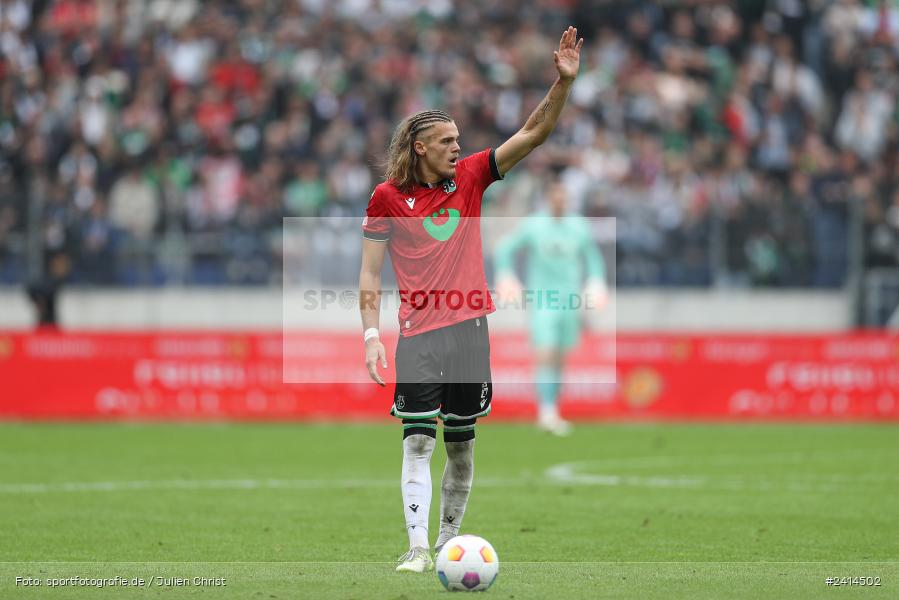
x: 558, y: 245
x: 426, y: 213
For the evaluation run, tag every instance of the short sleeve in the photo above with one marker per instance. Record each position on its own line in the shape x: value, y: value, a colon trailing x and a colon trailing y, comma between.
x: 376, y: 225
x: 482, y: 168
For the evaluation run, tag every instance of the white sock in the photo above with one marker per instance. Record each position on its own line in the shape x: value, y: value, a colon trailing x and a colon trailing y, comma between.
x: 416, y: 486
x: 548, y: 413
x: 455, y: 488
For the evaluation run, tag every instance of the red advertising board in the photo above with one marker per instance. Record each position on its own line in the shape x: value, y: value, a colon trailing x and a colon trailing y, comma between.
x: 196, y: 376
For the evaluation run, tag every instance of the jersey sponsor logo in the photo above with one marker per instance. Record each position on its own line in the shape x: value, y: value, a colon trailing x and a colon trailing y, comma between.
x: 445, y: 230
x: 410, y: 202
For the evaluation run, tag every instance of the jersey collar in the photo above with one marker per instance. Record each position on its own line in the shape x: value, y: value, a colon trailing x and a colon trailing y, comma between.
x: 429, y: 186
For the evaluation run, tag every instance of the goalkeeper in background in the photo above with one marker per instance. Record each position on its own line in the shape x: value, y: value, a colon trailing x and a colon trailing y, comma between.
x: 559, y: 246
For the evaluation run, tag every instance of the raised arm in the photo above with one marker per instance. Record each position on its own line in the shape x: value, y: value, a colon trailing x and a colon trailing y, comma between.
x: 543, y: 120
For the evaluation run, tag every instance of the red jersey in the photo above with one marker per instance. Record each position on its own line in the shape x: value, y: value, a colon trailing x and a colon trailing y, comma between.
x: 434, y: 238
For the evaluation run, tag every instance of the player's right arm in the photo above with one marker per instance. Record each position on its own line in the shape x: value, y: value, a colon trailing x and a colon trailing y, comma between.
x: 370, y: 304
x: 376, y: 230
x: 543, y: 120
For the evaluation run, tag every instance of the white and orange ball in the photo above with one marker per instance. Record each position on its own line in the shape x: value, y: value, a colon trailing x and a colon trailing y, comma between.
x: 467, y: 563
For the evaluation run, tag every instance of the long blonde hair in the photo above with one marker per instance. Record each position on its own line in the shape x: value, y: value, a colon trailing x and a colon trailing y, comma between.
x: 401, y: 156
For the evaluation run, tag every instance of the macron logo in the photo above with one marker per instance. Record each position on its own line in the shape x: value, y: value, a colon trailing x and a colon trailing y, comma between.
x: 410, y: 202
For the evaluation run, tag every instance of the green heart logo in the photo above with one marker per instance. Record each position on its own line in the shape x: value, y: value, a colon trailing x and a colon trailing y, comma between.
x: 445, y: 231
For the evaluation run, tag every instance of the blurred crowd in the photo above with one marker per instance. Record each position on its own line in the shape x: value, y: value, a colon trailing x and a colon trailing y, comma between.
x: 145, y: 142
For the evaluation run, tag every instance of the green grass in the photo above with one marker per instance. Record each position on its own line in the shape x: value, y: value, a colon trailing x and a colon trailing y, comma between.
x: 313, y: 511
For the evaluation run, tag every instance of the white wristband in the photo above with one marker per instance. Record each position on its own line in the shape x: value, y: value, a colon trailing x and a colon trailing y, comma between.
x: 371, y: 332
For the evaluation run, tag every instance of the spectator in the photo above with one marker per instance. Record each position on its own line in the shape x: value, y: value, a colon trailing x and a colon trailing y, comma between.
x: 96, y: 251
x: 707, y: 128
x: 862, y: 125
x: 830, y: 226
x: 188, y: 56
x: 792, y: 231
x: 307, y: 192
x: 134, y: 206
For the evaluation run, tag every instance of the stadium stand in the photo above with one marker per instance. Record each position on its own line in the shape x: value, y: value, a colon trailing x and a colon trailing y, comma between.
x: 161, y: 142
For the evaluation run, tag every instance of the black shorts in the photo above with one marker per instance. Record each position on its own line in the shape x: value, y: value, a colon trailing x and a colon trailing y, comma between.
x: 444, y: 373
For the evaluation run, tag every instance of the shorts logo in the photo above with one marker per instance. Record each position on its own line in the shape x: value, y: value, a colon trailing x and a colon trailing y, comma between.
x: 401, y: 402
x: 484, y: 390
x: 444, y: 231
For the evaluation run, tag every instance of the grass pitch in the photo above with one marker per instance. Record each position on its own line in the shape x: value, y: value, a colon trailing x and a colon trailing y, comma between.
x: 314, y: 511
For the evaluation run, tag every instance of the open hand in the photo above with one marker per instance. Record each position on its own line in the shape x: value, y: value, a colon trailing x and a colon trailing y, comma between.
x: 568, y: 56
x: 508, y: 290
x: 374, y: 354
x: 596, y: 295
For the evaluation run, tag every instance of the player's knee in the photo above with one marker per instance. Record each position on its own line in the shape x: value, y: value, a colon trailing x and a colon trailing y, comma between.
x: 458, y: 431
x: 426, y: 428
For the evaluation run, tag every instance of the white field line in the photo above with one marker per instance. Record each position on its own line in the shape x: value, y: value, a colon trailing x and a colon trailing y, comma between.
x: 182, y: 484
x: 569, y: 473
x: 727, y: 460
x: 595, y: 473
x: 760, y: 563
x: 557, y: 475
x: 214, y: 484
x: 585, y: 473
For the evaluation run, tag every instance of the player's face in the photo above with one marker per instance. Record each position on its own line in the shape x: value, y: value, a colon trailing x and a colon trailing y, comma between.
x: 441, y: 146
x: 556, y: 199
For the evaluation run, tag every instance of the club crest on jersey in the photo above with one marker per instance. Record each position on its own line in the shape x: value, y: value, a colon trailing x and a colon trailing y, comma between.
x: 445, y: 230
x: 411, y: 202
x: 449, y: 186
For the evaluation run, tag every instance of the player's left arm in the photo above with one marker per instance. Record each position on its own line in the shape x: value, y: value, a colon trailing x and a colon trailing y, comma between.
x: 543, y: 120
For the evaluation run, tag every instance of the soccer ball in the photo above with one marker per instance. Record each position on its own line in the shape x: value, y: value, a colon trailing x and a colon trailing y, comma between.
x: 467, y: 563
